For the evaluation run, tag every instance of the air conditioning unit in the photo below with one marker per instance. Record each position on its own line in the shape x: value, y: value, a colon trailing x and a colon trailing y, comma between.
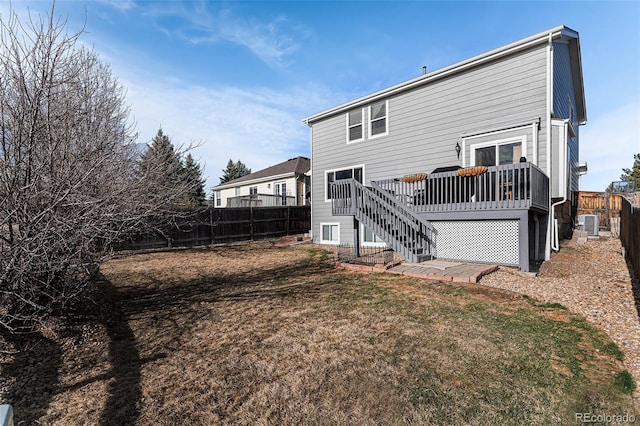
x: 589, y: 223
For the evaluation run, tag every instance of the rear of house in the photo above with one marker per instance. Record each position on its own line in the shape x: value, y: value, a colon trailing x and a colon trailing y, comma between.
x: 395, y: 167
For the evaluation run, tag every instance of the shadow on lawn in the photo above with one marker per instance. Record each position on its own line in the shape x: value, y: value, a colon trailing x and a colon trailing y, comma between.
x: 125, y: 388
x: 34, y: 371
x: 168, y: 312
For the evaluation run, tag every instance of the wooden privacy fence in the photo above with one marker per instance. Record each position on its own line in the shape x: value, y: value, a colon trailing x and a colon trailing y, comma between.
x: 630, y: 234
x: 213, y: 226
x: 606, y: 206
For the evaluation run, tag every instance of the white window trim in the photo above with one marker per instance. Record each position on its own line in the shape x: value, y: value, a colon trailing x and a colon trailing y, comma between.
x: 369, y: 243
x: 326, y: 172
x: 348, y: 127
x: 323, y: 224
x: 386, y: 122
x: 472, y: 148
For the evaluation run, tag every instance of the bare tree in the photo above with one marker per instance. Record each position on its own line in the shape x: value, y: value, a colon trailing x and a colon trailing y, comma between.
x: 69, y: 187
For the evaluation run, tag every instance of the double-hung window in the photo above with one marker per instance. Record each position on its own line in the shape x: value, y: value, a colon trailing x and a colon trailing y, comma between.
x: 355, y: 128
x: 253, y: 190
x: 374, y: 119
x: 335, y: 175
x: 378, y: 123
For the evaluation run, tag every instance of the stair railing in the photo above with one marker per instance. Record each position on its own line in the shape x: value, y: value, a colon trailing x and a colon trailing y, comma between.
x: 397, y: 225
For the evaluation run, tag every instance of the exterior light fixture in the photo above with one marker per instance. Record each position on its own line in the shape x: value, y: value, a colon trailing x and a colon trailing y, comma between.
x: 458, y: 149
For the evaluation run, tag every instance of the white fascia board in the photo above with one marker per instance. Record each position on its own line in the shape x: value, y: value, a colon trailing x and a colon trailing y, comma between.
x: 540, y: 38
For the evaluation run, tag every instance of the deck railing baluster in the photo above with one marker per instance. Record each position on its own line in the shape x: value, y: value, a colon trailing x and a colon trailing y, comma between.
x: 519, y: 185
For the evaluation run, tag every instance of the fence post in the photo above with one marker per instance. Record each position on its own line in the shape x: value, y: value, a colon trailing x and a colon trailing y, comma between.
x: 288, y: 219
x: 211, y: 228
x: 251, y: 222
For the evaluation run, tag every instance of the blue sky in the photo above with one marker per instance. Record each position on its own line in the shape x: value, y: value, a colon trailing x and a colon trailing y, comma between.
x: 237, y: 77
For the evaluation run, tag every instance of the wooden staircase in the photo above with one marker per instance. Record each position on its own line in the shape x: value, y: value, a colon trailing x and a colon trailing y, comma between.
x: 395, y: 223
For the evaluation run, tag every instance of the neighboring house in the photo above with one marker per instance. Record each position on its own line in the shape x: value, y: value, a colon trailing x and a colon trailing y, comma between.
x: 285, y: 184
x: 396, y: 167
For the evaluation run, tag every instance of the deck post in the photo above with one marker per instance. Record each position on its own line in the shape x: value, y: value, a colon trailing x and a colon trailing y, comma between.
x: 523, y: 242
x: 356, y: 237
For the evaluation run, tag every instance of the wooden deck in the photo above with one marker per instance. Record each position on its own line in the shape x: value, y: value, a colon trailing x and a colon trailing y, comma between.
x: 437, y: 270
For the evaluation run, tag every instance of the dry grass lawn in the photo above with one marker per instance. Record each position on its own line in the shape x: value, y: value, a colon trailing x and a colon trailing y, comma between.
x: 252, y: 334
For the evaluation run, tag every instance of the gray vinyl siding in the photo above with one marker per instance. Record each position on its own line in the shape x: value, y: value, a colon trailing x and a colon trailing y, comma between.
x: 563, y: 94
x: 426, y: 122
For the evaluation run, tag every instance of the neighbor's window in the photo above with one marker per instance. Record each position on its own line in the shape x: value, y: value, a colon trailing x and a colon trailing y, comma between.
x: 237, y: 191
x: 280, y: 190
x: 354, y: 172
x: 330, y: 233
x: 355, y: 131
x: 253, y: 190
x: 218, y: 198
x: 378, y: 123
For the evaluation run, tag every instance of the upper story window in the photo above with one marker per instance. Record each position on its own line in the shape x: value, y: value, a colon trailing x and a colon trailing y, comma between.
x: 253, y: 190
x: 378, y: 123
x: 218, y: 195
x: 237, y: 191
x: 355, y: 129
x: 375, y: 121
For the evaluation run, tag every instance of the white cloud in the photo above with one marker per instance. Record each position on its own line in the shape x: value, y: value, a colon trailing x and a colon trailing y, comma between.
x: 608, y: 143
x: 272, y: 41
x: 122, y: 5
x: 260, y: 127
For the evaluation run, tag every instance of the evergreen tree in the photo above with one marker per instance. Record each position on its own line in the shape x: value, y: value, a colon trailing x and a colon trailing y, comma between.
x: 160, y: 161
x: 632, y: 174
x: 163, y: 164
x: 234, y: 171
x: 192, y: 175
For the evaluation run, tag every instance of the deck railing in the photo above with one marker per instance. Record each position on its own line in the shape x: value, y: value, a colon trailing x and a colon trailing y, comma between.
x: 396, y: 224
x: 261, y: 200
x: 511, y: 186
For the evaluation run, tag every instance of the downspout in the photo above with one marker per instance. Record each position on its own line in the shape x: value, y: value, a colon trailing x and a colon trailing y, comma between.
x: 547, y: 250
x: 535, y: 127
x: 555, y: 240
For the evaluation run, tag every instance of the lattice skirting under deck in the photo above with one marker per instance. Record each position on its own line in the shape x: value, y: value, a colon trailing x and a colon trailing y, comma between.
x: 492, y: 241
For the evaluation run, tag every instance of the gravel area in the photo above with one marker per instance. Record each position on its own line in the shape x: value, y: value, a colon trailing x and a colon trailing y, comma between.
x: 590, y: 279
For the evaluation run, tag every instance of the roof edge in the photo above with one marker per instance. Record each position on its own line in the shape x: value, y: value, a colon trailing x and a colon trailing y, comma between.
x: 539, y: 38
